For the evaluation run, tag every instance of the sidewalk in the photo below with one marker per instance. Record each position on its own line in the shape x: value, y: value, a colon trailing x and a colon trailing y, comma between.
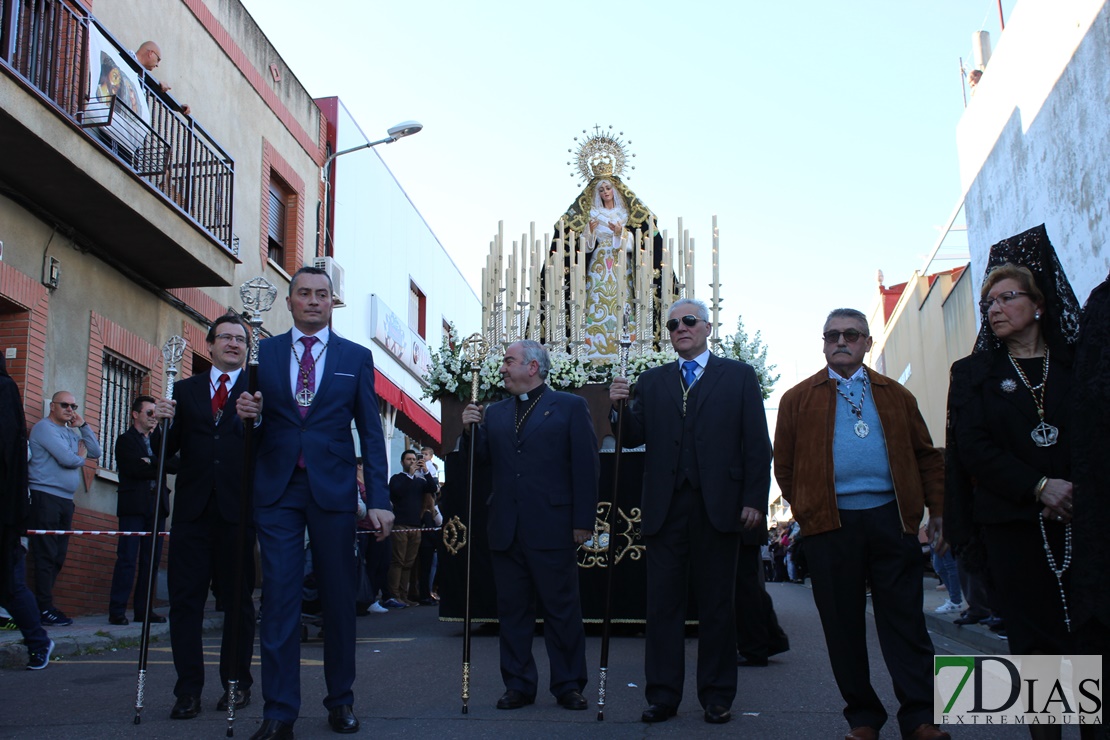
x: 91, y: 634
x: 973, y: 635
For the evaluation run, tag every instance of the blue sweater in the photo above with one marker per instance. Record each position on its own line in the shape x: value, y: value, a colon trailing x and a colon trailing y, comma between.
x: 861, y: 466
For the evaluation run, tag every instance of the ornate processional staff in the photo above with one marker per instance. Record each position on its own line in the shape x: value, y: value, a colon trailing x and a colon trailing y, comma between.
x: 172, y: 352
x: 611, y: 560
x: 474, y: 349
x: 257, y: 296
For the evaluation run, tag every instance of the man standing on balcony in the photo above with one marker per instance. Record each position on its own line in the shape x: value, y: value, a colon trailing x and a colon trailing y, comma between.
x: 206, y: 521
x: 150, y: 56
x: 315, y: 384
x: 60, y: 444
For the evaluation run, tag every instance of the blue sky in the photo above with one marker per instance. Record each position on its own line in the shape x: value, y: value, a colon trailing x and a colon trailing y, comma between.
x: 821, y: 134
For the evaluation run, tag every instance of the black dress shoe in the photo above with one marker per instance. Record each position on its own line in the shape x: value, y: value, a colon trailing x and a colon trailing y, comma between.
x: 513, y: 699
x: 117, y: 619
x: 715, y: 714
x: 242, y: 699
x: 186, y: 707
x: 573, y: 699
x: 342, y: 719
x: 658, y: 713
x: 274, y: 729
x: 154, y: 618
x: 743, y: 661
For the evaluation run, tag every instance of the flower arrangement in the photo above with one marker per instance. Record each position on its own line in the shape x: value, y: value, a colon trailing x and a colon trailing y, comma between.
x: 450, y: 373
x: 449, y: 376
x: 568, y: 372
x: 639, y: 363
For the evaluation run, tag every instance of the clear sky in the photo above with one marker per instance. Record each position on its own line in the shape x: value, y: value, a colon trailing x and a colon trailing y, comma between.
x: 822, y: 134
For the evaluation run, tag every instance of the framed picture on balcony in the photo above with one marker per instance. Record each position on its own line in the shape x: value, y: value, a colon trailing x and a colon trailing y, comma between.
x: 116, y: 99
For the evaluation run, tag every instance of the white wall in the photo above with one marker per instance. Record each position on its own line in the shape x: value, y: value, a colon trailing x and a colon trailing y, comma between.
x: 382, y: 242
x: 1034, y: 143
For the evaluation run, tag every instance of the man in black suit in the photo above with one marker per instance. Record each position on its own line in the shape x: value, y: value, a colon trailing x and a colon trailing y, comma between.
x: 136, y: 458
x: 206, y: 520
x: 543, y: 450
x: 707, y: 474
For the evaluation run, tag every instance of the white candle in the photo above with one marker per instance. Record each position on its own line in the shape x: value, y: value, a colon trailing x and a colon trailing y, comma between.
x: 482, y: 295
x: 690, y: 282
x: 716, y: 277
x: 665, y: 281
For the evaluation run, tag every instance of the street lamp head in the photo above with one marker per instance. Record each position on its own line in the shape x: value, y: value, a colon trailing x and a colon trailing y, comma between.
x: 403, y: 129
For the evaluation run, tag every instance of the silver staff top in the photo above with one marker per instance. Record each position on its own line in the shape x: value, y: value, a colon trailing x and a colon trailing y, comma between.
x: 173, y: 351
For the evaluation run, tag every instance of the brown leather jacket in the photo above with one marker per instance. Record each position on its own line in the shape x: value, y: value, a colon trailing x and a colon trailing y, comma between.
x: 804, y: 462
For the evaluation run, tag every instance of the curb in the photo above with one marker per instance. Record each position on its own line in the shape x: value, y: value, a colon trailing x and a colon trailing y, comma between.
x: 90, y: 634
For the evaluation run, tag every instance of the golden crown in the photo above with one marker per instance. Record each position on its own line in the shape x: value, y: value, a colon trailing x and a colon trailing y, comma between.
x: 602, y: 154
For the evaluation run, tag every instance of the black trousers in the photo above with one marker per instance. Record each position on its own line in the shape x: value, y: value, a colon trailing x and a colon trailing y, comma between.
x: 544, y: 582
x: 194, y: 548
x: 758, y: 634
x: 48, y: 551
x: 870, y: 547
x: 689, y: 551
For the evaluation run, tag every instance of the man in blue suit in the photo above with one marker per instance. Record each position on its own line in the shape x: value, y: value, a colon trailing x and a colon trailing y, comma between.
x: 707, y: 473
x: 316, y: 384
x: 543, y: 452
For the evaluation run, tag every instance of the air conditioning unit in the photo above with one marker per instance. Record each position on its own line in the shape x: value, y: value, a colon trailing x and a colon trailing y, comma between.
x: 335, y: 272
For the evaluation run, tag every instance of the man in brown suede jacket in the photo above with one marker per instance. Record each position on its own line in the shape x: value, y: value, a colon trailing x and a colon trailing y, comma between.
x: 854, y: 459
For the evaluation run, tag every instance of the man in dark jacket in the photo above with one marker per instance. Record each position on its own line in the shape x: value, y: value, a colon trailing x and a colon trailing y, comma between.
x: 206, y: 529
x: 136, y: 456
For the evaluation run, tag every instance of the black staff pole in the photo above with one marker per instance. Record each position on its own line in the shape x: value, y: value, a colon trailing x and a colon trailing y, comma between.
x: 257, y: 296
x: 172, y: 352
x: 474, y: 348
x: 610, y: 552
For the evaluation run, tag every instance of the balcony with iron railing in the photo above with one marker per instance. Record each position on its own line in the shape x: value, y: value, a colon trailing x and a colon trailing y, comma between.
x: 93, y: 144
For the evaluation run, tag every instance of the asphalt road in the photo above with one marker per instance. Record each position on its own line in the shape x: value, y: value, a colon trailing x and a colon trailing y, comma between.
x: 409, y: 680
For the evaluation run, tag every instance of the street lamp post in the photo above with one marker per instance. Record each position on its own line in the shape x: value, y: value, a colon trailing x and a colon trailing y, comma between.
x: 400, y: 131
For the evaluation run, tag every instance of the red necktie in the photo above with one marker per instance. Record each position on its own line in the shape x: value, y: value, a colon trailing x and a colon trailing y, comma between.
x: 219, y: 398
x: 306, y: 377
x: 306, y: 380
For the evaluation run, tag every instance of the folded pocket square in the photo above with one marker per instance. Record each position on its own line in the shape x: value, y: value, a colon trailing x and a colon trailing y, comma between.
x: 346, y: 375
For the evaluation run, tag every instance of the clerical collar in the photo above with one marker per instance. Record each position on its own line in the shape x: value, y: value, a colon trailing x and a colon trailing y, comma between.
x: 535, y: 393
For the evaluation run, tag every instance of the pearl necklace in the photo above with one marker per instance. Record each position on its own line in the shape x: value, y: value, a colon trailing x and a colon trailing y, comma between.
x: 1059, y: 572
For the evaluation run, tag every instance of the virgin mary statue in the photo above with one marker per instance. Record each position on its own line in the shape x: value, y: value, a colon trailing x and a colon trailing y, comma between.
x: 608, y: 214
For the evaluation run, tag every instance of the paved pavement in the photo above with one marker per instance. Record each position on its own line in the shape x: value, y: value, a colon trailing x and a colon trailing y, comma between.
x: 410, y: 676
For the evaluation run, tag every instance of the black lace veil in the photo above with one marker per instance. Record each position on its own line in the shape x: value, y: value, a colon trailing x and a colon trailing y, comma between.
x: 1033, y: 250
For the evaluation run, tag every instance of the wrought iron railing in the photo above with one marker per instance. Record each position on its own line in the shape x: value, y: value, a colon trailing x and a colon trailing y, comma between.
x: 47, y: 44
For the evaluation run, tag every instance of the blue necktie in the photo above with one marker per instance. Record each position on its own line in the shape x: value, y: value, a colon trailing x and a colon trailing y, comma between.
x: 688, y: 369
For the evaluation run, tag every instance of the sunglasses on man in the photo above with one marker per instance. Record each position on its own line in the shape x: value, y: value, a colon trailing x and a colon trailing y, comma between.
x: 851, y: 336
x: 688, y: 319
x: 65, y: 405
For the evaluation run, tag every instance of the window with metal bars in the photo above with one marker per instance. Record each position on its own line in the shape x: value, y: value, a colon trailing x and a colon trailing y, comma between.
x: 120, y: 382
